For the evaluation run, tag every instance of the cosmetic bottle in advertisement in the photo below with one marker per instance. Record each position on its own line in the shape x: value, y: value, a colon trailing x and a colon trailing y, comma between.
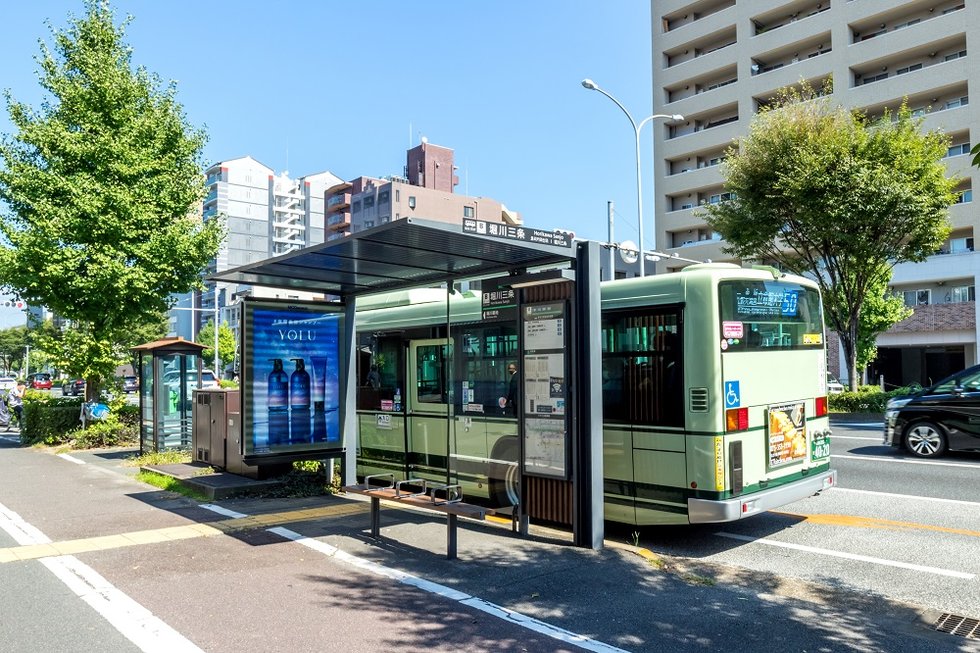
x: 299, y: 386
x: 278, y: 398
x: 398, y: 400
x: 331, y: 375
x: 319, y: 375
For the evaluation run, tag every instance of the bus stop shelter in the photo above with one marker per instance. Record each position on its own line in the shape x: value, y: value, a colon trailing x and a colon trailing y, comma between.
x: 169, y: 370
x: 413, y: 253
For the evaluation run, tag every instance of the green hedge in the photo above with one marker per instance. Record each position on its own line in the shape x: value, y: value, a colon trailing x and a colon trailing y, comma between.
x: 49, y: 420
x: 867, y: 399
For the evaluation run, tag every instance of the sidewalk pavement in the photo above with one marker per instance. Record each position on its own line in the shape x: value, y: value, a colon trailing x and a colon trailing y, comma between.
x: 622, y: 597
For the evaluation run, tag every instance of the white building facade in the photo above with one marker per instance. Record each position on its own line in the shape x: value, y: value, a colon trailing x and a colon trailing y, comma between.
x: 716, y: 61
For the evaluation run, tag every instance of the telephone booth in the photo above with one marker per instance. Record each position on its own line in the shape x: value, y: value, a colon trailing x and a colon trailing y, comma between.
x: 169, y: 372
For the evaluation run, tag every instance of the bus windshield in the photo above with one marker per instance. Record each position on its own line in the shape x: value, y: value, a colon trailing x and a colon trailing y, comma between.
x: 764, y: 315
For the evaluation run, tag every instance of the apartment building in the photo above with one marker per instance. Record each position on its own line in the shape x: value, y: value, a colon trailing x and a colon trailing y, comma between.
x: 266, y: 214
x: 425, y: 190
x: 717, y: 61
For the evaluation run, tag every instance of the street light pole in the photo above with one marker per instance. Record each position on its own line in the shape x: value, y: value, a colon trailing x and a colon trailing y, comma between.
x: 592, y: 86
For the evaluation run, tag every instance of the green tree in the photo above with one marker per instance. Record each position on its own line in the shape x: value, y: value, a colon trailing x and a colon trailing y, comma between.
x: 824, y: 192
x: 13, y: 343
x: 226, y: 344
x: 100, y: 183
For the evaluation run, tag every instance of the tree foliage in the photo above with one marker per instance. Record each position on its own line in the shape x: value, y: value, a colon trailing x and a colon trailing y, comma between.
x: 100, y: 182
x: 826, y: 193
x: 226, y: 345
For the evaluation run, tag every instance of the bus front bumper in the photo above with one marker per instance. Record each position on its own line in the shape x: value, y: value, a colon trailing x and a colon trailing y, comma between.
x: 704, y: 511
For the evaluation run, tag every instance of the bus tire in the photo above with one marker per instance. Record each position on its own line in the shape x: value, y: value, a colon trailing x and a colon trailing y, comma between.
x: 925, y: 440
x: 505, y: 478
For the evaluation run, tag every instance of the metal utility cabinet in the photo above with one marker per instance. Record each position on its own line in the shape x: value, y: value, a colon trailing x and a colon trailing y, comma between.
x: 211, y: 413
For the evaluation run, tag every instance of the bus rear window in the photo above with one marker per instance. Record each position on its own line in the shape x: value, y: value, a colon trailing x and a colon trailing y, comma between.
x: 763, y: 315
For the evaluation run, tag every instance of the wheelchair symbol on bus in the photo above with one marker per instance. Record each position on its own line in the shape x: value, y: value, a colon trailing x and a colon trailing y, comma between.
x: 733, y: 398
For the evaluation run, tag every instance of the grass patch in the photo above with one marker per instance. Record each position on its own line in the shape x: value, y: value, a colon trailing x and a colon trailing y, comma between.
x: 307, y: 478
x: 169, y: 484
x: 695, y: 579
x: 159, y: 458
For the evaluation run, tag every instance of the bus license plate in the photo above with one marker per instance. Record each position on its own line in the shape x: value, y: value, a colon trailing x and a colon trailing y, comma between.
x: 820, y: 446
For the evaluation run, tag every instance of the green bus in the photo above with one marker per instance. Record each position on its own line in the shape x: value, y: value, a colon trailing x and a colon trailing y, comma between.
x: 713, y: 391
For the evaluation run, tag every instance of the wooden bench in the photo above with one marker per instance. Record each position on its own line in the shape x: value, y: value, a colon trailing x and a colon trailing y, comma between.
x: 419, y: 493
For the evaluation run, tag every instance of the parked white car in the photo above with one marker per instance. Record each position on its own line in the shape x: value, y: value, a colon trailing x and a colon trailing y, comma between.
x: 7, y: 383
x: 833, y: 385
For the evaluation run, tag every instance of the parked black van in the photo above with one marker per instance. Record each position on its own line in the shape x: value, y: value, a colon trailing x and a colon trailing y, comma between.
x: 943, y: 417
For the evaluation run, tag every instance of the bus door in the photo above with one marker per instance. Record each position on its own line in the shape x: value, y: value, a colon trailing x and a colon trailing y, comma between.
x: 427, y: 411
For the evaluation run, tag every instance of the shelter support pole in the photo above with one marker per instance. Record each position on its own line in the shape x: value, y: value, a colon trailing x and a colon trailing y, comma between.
x: 348, y: 465
x: 588, y: 525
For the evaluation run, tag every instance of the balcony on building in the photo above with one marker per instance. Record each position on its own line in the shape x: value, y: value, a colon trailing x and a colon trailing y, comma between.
x: 338, y: 202
x: 819, y: 85
x: 716, y: 117
x: 793, y: 53
x: 921, y: 12
x: 787, y: 15
x: 699, y: 47
x: 912, y: 61
x: 694, y: 12
x: 701, y: 84
x: 337, y: 222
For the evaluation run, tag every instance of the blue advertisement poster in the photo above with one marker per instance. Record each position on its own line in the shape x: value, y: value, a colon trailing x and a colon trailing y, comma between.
x: 292, y: 378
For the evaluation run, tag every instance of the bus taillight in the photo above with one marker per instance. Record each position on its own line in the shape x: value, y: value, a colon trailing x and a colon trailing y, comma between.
x: 736, y: 419
x: 821, y: 406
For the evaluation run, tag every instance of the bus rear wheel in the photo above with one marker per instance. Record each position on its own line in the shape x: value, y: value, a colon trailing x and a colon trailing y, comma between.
x: 925, y: 440
x: 505, y: 479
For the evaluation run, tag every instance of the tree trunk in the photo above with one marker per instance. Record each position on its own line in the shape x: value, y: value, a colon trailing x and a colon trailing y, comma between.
x: 93, y: 388
x: 849, y: 340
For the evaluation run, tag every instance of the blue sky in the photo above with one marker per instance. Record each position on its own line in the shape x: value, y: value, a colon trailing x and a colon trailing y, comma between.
x: 307, y: 86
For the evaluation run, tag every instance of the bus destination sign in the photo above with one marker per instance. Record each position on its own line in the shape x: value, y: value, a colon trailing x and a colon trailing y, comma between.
x: 517, y: 232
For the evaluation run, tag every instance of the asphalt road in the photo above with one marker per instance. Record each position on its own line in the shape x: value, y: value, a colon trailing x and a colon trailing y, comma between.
x: 896, y: 527
x: 151, y: 573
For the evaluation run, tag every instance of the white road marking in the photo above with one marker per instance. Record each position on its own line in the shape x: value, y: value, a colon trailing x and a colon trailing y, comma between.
x: 223, y: 511
x: 492, y: 609
x: 848, y: 556
x: 912, y: 497
x: 71, y: 458
x: 135, y: 622
x: 434, y: 588
x: 904, y: 461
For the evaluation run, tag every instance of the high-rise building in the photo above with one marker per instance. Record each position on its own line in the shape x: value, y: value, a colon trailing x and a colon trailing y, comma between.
x: 425, y: 191
x: 265, y: 215
x: 717, y: 61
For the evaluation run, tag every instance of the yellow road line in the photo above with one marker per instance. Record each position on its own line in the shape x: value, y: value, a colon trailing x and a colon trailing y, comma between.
x: 173, y: 533
x: 874, y: 522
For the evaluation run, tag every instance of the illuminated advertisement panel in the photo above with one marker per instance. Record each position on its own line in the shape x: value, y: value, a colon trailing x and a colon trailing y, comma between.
x: 291, y: 379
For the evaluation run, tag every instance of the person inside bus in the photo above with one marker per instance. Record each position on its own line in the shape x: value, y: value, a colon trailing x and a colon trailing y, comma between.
x: 509, y: 402
x: 374, y: 378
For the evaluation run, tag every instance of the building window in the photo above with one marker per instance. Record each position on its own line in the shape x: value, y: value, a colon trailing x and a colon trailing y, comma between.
x: 398, y: 195
x: 958, y: 102
x: 957, y: 245
x: 955, y: 55
x: 916, y: 297
x: 908, y: 69
x: 411, y: 201
x: 384, y: 196
x: 368, y: 224
x: 957, y: 150
x: 369, y: 202
x: 964, y: 197
x: 467, y: 211
x: 958, y: 294
x: 357, y: 207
